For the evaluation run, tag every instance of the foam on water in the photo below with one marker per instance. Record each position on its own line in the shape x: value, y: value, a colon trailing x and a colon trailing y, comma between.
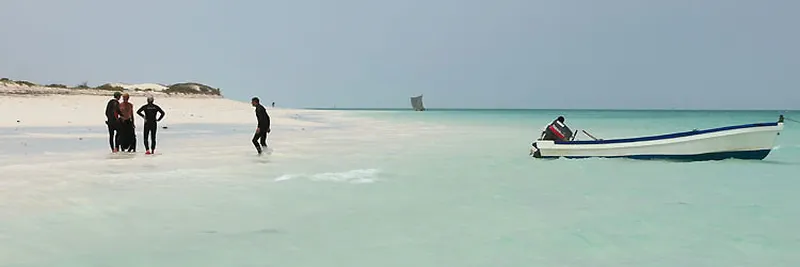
x: 394, y: 189
x: 359, y: 176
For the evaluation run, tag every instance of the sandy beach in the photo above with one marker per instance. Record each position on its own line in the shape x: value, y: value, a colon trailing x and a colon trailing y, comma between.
x: 88, y: 110
x: 30, y: 119
x: 33, y: 119
x: 24, y: 106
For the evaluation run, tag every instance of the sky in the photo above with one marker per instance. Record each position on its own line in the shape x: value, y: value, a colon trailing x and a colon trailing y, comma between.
x: 619, y: 54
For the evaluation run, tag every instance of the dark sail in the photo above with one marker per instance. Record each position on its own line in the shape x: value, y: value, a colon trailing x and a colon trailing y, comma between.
x: 416, y: 103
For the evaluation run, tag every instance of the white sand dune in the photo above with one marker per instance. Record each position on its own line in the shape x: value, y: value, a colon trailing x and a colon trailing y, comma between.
x: 39, y: 106
x: 12, y: 88
x: 141, y: 86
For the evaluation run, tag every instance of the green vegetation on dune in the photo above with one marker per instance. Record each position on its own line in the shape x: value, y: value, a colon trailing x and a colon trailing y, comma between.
x: 192, y: 88
x: 55, y: 85
x: 109, y: 87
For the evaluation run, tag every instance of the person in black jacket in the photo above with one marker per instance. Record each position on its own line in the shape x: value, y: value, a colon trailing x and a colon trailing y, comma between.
x: 263, y: 125
x: 112, y: 120
x: 148, y: 113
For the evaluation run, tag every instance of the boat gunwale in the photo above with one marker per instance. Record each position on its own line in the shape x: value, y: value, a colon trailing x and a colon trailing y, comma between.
x: 758, y: 154
x: 669, y: 135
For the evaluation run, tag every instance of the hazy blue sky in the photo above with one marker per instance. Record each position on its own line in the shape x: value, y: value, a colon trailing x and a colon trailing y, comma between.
x: 458, y: 53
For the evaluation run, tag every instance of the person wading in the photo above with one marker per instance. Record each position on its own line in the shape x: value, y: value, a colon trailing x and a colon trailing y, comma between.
x: 262, y: 130
x: 112, y: 120
x: 127, y: 136
x: 148, y: 113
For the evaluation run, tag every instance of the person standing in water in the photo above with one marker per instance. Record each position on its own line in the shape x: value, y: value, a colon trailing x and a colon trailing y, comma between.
x: 263, y: 125
x: 112, y: 120
x: 127, y: 140
x: 148, y: 113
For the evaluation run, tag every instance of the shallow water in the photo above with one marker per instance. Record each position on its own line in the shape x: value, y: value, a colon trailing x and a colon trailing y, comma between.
x: 395, y: 188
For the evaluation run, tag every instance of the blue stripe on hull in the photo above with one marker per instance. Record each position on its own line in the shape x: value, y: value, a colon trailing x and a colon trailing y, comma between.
x: 747, y: 155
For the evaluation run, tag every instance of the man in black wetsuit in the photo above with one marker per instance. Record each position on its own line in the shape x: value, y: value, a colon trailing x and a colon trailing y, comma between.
x: 263, y: 125
x: 148, y: 113
x: 112, y: 120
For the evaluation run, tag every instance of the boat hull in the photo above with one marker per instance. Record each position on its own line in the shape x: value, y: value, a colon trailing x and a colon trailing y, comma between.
x: 750, y: 142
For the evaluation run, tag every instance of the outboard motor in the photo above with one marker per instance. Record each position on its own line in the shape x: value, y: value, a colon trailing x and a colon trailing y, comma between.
x: 557, y: 131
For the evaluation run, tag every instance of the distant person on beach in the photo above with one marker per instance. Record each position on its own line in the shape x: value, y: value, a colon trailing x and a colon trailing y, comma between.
x: 263, y: 125
x: 273, y: 104
x: 148, y: 113
x: 112, y: 120
x: 127, y: 139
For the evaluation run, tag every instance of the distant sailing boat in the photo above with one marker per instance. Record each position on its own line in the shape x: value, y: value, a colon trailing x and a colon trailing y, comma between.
x: 416, y: 103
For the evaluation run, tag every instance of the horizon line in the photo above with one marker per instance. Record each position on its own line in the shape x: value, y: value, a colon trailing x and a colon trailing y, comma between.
x: 553, y: 109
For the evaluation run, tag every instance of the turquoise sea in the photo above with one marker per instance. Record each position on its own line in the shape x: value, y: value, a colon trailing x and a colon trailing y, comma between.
x: 396, y: 188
